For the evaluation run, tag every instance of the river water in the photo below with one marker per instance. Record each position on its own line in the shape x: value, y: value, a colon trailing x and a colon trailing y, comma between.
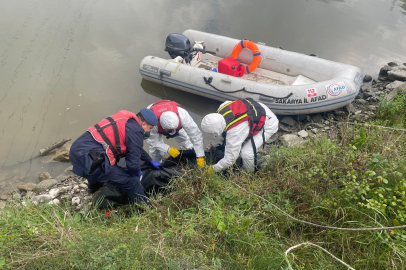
x: 66, y: 64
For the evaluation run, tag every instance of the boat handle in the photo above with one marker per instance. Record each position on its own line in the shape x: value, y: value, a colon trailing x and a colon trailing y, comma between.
x: 227, y: 80
x: 164, y: 72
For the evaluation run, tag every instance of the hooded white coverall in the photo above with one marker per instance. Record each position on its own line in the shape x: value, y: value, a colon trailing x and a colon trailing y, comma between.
x: 236, y: 142
x: 157, y: 147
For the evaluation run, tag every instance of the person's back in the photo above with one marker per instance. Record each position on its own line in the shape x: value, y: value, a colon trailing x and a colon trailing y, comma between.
x: 237, y: 132
x: 95, y: 154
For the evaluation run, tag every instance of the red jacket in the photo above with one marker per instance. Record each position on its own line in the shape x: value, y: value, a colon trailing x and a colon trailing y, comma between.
x: 110, y: 132
x: 242, y: 110
x: 161, y: 106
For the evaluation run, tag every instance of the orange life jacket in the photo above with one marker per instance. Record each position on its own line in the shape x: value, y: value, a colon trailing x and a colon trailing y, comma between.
x: 161, y: 106
x: 242, y: 110
x: 110, y: 132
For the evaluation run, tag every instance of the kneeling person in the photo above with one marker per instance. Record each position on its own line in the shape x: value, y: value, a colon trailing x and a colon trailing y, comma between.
x: 95, y: 154
x: 174, y: 122
x: 245, y: 126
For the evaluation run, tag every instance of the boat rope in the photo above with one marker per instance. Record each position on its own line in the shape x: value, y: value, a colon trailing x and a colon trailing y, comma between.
x: 322, y: 226
x: 210, y: 79
x: 311, y: 244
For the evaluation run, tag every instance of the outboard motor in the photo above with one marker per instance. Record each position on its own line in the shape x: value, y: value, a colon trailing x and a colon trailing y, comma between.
x: 178, y: 45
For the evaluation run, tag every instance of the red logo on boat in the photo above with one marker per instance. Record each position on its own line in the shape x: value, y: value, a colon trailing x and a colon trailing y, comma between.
x: 311, y: 92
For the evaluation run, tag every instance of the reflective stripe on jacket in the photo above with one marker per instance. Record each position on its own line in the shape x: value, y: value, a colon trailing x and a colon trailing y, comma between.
x: 241, y: 110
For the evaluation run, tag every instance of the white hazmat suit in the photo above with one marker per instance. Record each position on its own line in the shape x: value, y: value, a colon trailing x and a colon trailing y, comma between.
x: 158, y: 148
x: 236, y: 138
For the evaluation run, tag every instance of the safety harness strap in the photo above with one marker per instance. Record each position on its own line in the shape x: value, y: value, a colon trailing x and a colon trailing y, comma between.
x: 115, y: 150
x: 116, y: 135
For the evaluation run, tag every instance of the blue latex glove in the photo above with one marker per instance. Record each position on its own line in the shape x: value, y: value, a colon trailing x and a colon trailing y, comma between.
x: 139, y: 176
x: 156, y: 164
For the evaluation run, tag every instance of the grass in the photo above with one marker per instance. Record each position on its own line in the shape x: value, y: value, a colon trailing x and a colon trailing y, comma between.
x: 211, y: 221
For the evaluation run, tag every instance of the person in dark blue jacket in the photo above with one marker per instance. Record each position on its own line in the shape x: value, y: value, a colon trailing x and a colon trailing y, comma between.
x: 95, y: 154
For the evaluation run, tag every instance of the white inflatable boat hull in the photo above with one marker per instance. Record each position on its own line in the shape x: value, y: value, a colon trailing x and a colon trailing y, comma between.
x: 315, y: 85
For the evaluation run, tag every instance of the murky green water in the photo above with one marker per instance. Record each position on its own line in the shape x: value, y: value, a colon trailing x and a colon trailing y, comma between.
x: 66, y: 64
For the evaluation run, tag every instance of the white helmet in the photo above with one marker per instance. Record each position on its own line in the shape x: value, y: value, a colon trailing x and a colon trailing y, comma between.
x: 169, y: 120
x: 213, y: 123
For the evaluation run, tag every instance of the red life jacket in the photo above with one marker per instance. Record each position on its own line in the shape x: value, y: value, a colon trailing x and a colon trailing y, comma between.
x: 242, y: 110
x: 110, y: 132
x: 161, y: 106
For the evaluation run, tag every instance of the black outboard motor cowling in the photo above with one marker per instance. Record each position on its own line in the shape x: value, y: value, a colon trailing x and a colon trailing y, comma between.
x: 178, y: 45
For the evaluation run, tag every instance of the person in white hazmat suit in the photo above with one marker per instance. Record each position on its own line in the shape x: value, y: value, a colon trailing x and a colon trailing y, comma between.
x: 174, y: 122
x: 236, y: 121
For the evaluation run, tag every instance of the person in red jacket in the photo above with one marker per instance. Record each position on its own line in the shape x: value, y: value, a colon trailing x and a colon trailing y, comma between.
x: 95, y: 154
x: 174, y: 122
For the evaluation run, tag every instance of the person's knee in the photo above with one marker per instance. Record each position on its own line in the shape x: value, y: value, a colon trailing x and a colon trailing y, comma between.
x: 247, y: 154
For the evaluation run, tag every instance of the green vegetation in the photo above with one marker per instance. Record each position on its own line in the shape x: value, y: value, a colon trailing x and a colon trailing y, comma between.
x: 209, y: 221
x: 392, y: 113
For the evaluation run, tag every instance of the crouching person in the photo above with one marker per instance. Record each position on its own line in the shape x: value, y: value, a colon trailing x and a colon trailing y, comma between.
x: 245, y: 126
x: 174, y: 122
x: 95, y: 154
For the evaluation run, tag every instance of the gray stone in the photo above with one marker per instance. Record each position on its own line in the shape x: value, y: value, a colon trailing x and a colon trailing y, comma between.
x: 367, y: 95
x: 314, y: 130
x: 44, y: 176
x: 392, y: 64
x: 16, y: 196
x: 400, y: 88
x: 2, y: 204
x: 303, y: 134
x: 54, y: 202
x: 44, y: 185
x: 29, y: 195
x: 397, y: 75
x: 27, y: 187
x: 302, y: 117
x: 287, y: 120
x: 62, y: 154
x: 54, y: 192
x: 384, y: 72
x: 69, y: 169
x: 366, y: 87
x: 371, y: 107
x: 292, y: 140
x: 67, y: 188
x: 350, y: 108
x: 83, y: 186
x: 339, y: 113
x: 42, y: 198
x: 4, y: 197
x: 361, y: 101
x: 394, y: 85
x: 75, y: 201
x: 357, y: 112
x: 367, y: 78
x: 317, y: 118
x: 326, y: 128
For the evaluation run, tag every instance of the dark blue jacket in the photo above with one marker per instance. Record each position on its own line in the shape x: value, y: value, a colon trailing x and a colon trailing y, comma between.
x: 81, y: 161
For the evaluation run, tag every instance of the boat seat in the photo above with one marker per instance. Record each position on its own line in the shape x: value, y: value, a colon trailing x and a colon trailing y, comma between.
x: 301, y: 80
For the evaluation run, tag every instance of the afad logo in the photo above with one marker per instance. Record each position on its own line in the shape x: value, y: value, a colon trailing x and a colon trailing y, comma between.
x: 335, y: 89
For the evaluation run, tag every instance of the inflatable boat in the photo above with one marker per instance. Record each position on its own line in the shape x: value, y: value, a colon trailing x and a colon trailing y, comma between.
x: 224, y: 68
